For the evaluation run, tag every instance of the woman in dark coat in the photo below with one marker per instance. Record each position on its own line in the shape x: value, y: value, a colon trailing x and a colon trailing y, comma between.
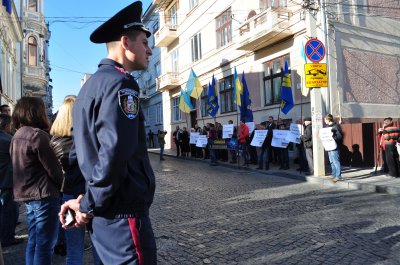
x: 185, y: 142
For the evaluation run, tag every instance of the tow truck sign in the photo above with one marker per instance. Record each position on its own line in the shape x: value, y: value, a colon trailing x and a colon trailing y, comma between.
x: 316, y: 75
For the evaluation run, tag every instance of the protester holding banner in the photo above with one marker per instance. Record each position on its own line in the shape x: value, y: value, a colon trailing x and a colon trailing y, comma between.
x: 284, y: 152
x: 199, y: 150
x: 264, y: 149
x: 306, y: 138
x: 334, y: 155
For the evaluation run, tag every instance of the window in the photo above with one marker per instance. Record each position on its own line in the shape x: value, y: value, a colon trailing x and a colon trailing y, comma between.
x: 172, y: 18
x: 156, y: 26
x: 272, y: 80
x: 32, y: 5
x: 204, y: 98
x: 224, y: 28
x: 176, y: 112
x: 158, y: 114
x: 157, y: 68
x: 264, y: 4
x: 174, y: 61
x: 32, y: 51
x: 196, y: 47
x: 193, y: 4
x: 226, y: 94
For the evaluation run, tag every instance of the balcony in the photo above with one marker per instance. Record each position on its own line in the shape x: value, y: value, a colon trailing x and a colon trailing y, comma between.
x: 168, y: 81
x: 165, y: 36
x: 162, y: 3
x: 266, y: 28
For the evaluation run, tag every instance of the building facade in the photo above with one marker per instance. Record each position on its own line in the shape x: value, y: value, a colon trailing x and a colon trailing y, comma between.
x: 10, y: 54
x: 257, y: 37
x: 36, y: 79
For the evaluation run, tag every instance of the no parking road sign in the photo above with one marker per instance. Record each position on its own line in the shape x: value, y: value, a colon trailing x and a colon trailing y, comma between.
x: 314, y: 50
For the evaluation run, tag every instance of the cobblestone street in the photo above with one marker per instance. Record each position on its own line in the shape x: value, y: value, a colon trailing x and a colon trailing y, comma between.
x: 219, y: 215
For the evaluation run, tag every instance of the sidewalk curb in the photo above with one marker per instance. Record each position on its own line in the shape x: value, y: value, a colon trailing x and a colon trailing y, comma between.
x: 322, y: 181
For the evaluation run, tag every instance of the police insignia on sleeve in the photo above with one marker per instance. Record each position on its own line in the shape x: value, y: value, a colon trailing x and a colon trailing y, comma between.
x: 129, y: 102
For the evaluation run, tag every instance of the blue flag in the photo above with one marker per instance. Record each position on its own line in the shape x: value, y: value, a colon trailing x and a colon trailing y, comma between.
x: 212, y: 100
x: 287, y: 102
x: 246, y: 113
x: 7, y: 5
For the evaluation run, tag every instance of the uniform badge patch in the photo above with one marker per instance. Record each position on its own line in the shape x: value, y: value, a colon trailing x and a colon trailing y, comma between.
x: 129, y: 102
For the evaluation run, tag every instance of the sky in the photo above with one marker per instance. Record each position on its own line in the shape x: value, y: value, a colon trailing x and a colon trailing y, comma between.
x: 71, y: 53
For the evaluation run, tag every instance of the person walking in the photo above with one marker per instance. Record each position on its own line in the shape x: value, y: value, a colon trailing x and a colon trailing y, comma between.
x: 390, y: 135
x: 161, y: 142
x: 8, y: 207
x: 110, y: 144
x: 306, y: 138
x: 151, y: 138
x: 334, y: 155
x: 37, y: 178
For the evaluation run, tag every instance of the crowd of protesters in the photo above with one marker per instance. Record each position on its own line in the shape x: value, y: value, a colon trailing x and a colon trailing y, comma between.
x: 266, y: 154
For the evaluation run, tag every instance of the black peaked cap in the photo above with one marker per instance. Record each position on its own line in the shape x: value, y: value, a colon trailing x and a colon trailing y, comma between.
x: 128, y: 18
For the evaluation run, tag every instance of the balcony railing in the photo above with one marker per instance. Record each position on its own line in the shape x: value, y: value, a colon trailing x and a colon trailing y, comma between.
x: 263, y: 29
x: 168, y: 81
x: 166, y: 35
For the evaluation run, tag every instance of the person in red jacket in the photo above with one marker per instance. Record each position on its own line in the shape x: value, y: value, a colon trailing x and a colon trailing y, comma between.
x: 243, y: 142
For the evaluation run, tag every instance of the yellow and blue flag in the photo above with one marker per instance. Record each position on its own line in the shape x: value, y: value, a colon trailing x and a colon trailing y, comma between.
x: 287, y: 102
x: 212, y: 99
x: 246, y: 113
x: 193, y: 86
x: 237, y: 89
x: 184, y: 102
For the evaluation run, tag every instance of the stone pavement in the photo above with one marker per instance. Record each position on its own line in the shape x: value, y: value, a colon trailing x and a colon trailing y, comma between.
x: 355, y: 178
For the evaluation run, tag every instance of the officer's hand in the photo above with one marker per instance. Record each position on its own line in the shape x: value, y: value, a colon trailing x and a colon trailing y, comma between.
x: 73, y: 205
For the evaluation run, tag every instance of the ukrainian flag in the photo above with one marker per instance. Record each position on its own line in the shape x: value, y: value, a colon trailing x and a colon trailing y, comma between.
x: 237, y: 89
x: 287, y: 102
x: 184, y: 102
x: 246, y: 113
x: 193, y: 86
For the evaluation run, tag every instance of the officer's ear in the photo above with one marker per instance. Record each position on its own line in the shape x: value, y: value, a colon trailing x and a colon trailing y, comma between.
x: 125, y: 42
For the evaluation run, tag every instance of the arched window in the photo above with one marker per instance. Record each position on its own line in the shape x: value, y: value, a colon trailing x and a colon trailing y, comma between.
x: 32, y: 51
x: 32, y: 5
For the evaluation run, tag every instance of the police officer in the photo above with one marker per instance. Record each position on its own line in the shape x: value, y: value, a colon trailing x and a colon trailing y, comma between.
x: 110, y: 145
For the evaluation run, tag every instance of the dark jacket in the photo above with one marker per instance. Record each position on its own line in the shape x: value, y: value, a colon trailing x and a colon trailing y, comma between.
x: 268, y: 138
x: 6, y: 170
x: 110, y: 142
x: 37, y: 173
x: 337, y: 133
x: 74, y: 183
x: 307, y: 136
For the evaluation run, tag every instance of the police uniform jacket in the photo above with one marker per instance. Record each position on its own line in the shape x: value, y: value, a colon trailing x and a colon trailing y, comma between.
x: 110, y: 144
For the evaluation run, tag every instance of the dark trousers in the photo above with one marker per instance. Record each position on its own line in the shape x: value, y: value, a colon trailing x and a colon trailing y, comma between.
x: 178, y: 148
x: 124, y: 241
x: 8, y: 218
x: 392, y: 159
x: 310, y: 160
